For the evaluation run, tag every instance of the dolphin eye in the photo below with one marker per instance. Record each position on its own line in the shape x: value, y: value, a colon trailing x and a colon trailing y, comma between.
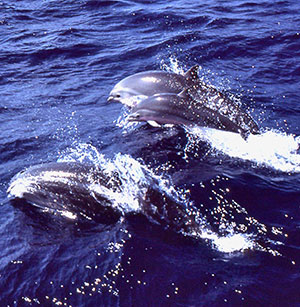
x: 118, y: 95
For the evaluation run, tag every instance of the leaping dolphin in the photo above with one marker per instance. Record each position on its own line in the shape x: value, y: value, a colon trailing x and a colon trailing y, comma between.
x: 183, y: 109
x: 149, y: 83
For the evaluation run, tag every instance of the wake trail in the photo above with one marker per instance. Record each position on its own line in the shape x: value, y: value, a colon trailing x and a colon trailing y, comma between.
x: 272, y: 149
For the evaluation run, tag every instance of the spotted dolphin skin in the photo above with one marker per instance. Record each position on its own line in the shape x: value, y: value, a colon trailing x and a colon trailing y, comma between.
x: 183, y: 109
x: 87, y: 192
x: 149, y: 83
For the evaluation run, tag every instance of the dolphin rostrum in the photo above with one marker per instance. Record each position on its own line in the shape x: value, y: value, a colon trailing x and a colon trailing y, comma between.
x: 213, y: 111
x: 149, y: 83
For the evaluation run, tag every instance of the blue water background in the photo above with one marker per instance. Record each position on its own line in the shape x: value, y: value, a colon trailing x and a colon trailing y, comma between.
x: 59, y: 61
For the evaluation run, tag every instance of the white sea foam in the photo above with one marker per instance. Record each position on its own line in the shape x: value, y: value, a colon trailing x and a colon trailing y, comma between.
x: 235, y: 242
x: 133, y: 176
x: 18, y: 186
x: 272, y: 149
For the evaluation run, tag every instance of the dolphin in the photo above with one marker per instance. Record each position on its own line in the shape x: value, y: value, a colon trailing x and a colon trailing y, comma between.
x: 182, y: 109
x: 88, y: 192
x: 67, y: 188
x: 149, y: 83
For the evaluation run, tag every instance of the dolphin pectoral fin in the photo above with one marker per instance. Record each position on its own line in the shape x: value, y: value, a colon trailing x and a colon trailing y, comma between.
x: 192, y: 73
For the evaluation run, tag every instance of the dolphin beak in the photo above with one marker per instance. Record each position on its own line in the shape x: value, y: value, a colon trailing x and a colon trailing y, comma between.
x: 110, y: 99
x: 133, y: 117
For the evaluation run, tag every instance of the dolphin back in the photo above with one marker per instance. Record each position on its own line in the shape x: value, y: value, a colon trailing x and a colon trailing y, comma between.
x: 193, y: 107
x: 73, y: 189
x: 230, y: 114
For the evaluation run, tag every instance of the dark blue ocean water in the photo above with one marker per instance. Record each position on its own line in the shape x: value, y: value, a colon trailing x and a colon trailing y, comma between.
x: 59, y: 61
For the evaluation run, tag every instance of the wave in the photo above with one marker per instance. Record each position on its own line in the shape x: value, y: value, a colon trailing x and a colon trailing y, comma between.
x: 226, y: 234
x: 272, y: 148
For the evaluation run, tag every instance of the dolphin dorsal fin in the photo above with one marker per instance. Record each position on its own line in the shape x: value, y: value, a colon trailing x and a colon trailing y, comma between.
x: 192, y: 73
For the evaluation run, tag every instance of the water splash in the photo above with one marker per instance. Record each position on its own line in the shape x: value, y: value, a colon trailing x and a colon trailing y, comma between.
x: 172, y: 64
x: 136, y: 178
x: 226, y: 226
x: 132, y: 175
x: 123, y: 123
x: 235, y: 242
x: 83, y: 153
x: 272, y: 149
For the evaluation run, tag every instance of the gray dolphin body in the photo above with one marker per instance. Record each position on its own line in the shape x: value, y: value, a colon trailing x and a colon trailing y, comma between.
x: 169, y: 98
x: 183, y: 109
x: 84, y: 191
x: 66, y: 188
x: 149, y: 83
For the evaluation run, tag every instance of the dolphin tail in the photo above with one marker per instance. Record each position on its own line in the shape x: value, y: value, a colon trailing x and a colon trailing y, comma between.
x: 253, y: 130
x: 245, y: 134
x: 192, y: 73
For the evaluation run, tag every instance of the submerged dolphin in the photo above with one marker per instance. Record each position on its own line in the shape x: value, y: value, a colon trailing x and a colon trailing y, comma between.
x: 82, y: 191
x: 183, y: 109
x: 149, y: 83
x: 67, y: 188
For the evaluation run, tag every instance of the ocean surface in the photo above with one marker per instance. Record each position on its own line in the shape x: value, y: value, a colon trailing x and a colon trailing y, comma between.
x: 59, y: 61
